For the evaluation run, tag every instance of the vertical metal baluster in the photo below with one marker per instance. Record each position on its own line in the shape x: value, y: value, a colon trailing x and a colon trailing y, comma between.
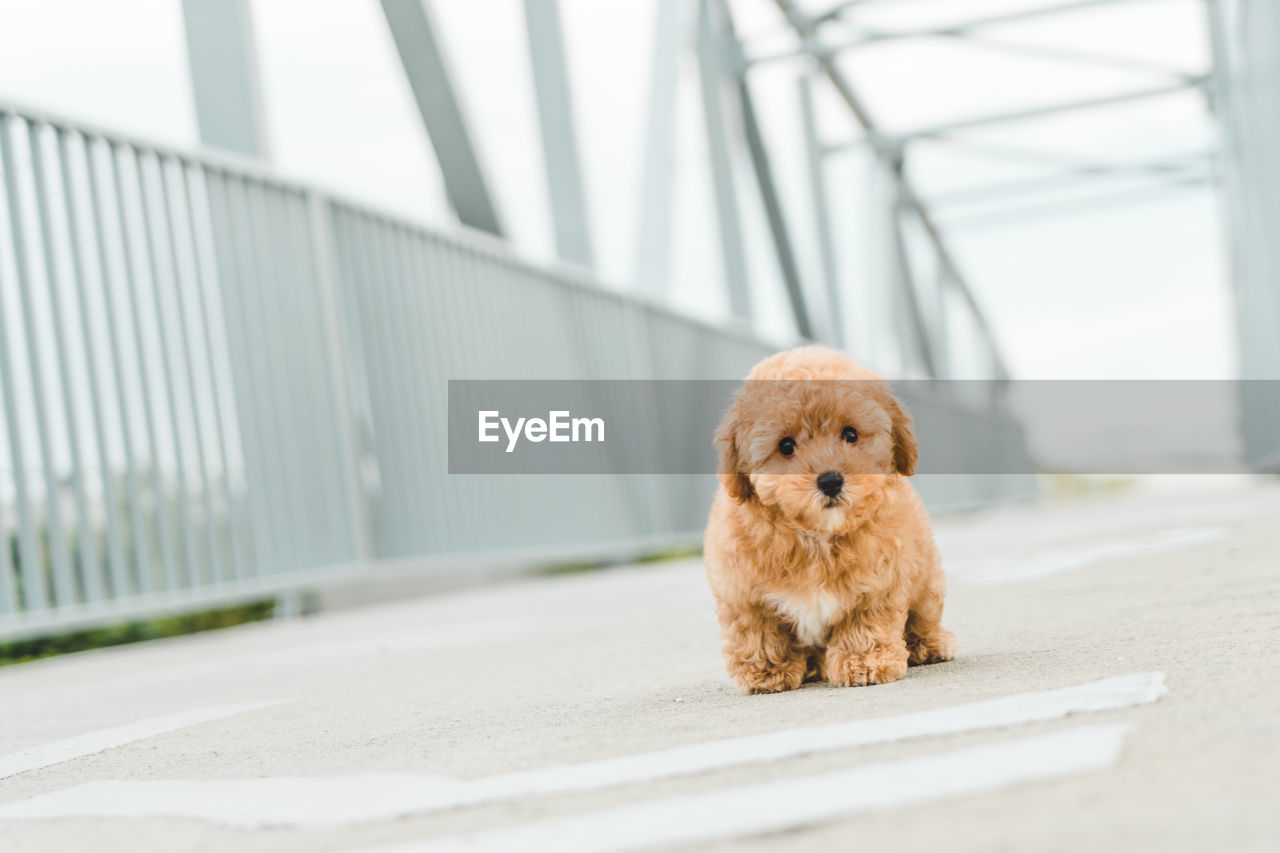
x: 328, y: 439
x: 161, y: 511
x: 356, y: 329
x: 409, y: 355
x: 396, y: 504
x: 462, y: 293
x: 142, y: 549
x: 63, y: 582
x: 251, y: 402
x: 431, y: 386
x: 277, y: 383
x: 90, y: 565
x: 202, y: 308
x: 290, y: 341
x: 403, y: 342
x: 168, y: 211
x: 341, y: 351
x: 30, y: 555
x: 313, y: 480
x: 482, y: 282
x: 8, y: 583
x: 285, y: 397
x: 463, y: 289
x: 171, y: 394
x: 449, y: 294
x: 353, y: 301
x: 302, y: 300
x: 360, y: 280
x: 115, y: 546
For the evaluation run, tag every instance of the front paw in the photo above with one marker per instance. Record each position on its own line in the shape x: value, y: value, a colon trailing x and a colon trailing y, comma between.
x: 768, y: 679
x: 878, y: 667
x: 938, y: 646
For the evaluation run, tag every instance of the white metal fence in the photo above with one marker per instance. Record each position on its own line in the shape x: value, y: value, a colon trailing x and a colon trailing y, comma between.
x: 1247, y: 100
x: 128, y: 483
x: 218, y: 385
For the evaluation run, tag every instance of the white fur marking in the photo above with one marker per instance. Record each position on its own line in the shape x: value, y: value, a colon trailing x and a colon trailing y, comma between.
x: 811, y: 617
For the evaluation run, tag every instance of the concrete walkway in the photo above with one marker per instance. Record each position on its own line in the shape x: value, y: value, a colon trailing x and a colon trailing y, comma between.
x: 1116, y: 689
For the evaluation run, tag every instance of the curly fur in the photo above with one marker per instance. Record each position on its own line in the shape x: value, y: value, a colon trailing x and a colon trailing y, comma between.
x: 807, y: 587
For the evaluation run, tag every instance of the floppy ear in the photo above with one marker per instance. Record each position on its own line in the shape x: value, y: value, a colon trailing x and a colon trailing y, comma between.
x: 734, y: 479
x: 906, y: 450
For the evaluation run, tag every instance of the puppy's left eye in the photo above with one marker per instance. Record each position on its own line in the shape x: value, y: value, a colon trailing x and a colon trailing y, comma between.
x: 850, y: 435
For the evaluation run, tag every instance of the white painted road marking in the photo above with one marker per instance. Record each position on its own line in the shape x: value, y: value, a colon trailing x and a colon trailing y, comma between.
x: 329, y: 801
x: 777, y: 806
x: 993, y: 572
x: 1107, y: 694
x: 93, y: 742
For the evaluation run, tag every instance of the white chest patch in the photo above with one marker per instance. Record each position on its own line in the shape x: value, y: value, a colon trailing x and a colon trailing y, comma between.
x: 811, y: 616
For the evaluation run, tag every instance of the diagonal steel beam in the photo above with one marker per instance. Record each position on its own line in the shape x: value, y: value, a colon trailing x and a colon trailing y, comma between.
x: 1059, y: 208
x: 1060, y: 54
x: 906, y: 281
x: 653, y: 248
x: 1031, y: 113
x: 821, y: 210
x: 223, y: 57
x: 890, y: 157
x: 939, y: 131
x: 711, y: 68
x: 1002, y: 152
x: 768, y: 188
x: 874, y: 36
x: 559, y: 143
x: 426, y: 66
x: 1069, y: 179
x: 839, y: 9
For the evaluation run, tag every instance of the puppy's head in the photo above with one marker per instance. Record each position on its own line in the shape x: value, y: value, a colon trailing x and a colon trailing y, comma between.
x: 814, y: 436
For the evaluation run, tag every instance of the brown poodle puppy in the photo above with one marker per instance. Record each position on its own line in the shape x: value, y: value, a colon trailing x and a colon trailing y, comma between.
x: 818, y: 550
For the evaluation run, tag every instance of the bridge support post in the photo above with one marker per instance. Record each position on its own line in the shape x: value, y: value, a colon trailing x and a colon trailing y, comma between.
x: 222, y: 54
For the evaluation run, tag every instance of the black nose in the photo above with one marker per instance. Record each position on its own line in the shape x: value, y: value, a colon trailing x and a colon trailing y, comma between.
x: 830, y: 483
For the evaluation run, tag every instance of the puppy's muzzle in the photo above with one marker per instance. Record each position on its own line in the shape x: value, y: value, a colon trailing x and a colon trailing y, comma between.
x: 830, y: 483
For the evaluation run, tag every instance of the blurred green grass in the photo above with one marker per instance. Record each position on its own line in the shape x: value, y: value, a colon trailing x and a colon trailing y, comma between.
x: 134, y: 632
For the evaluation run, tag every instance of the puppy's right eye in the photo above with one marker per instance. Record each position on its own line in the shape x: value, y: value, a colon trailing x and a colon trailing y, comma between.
x: 787, y: 446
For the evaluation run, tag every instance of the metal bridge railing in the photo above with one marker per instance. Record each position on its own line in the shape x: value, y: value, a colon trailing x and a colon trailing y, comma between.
x: 127, y: 477
x: 1246, y: 84
x: 218, y: 385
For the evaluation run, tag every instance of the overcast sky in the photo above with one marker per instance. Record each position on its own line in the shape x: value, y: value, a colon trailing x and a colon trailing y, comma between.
x: 1131, y: 289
